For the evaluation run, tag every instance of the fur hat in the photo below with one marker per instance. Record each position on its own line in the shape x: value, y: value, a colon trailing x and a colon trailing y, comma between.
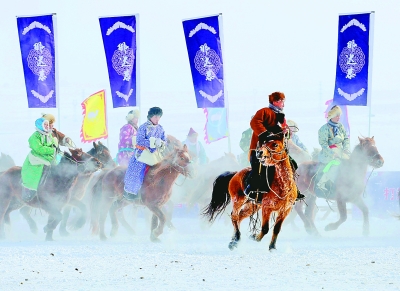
x: 276, y: 96
x: 49, y: 117
x: 192, y: 132
x: 335, y: 111
x: 132, y: 114
x: 154, y: 111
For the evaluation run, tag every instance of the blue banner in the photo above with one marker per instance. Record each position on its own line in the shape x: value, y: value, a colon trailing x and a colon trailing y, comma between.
x: 353, y: 59
x: 205, y: 57
x: 119, y: 39
x: 36, y: 39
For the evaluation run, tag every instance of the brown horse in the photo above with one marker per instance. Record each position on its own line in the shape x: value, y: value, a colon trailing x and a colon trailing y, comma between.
x: 155, y: 191
x: 83, y: 183
x: 348, y: 186
x: 53, y: 191
x: 6, y: 162
x: 230, y: 186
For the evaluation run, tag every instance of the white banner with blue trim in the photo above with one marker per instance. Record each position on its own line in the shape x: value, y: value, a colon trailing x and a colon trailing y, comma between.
x: 354, y: 59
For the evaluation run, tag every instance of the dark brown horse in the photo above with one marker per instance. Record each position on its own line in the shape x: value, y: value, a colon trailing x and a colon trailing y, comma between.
x: 53, y: 191
x: 348, y: 187
x: 230, y: 186
x: 155, y: 192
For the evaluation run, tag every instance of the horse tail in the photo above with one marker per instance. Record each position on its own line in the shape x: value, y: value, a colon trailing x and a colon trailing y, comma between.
x: 220, y: 197
x: 95, y: 206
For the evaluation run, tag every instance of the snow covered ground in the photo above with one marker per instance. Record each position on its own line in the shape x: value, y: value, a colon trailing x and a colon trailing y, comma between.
x: 194, y: 257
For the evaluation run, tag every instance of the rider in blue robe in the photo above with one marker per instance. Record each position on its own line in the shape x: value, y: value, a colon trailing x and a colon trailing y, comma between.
x: 150, y: 136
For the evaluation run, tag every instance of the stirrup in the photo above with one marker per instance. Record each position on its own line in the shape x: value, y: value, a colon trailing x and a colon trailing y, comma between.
x: 131, y: 196
x: 300, y: 196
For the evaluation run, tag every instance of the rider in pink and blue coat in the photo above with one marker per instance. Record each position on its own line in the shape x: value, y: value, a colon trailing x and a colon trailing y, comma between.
x: 126, y: 138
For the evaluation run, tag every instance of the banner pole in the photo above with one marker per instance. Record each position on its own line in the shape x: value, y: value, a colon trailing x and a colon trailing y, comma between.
x: 138, y: 95
x: 54, y: 17
x: 370, y: 60
x: 221, y: 34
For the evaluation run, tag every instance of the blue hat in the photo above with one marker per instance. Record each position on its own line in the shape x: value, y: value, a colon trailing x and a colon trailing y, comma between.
x: 39, y: 123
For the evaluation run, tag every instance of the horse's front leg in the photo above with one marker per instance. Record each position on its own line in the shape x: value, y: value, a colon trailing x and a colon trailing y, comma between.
x: 307, y: 219
x: 156, y: 230
x: 54, y: 219
x: 124, y: 223
x: 361, y: 204
x: 277, y: 228
x: 266, y: 215
x: 343, y: 215
x: 26, y: 213
x: 118, y: 204
x: 63, y: 225
x: 83, y: 213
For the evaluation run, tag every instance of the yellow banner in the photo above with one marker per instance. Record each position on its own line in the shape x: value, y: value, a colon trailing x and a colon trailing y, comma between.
x: 94, y: 125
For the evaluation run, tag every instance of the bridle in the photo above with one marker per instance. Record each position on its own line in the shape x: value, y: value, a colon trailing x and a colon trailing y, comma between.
x: 273, y: 152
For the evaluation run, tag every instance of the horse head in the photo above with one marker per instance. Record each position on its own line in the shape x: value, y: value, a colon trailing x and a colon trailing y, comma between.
x: 85, y: 162
x: 272, y: 152
x: 181, y: 161
x: 102, y: 153
x: 369, y: 150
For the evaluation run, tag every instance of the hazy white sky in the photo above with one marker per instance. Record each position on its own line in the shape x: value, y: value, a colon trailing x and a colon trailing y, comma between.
x: 287, y: 46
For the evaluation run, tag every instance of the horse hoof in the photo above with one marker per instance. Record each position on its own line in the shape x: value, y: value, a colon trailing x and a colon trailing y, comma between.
x: 64, y: 233
x: 272, y: 249
x: 232, y: 245
x: 34, y: 230
x: 252, y: 237
x: 103, y: 238
x: 330, y: 227
x: 155, y: 239
x: 49, y: 238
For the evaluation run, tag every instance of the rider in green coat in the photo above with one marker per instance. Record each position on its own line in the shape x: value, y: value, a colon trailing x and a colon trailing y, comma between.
x: 43, y: 151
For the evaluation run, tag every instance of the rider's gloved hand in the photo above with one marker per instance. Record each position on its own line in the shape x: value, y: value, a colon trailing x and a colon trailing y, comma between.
x: 159, y: 143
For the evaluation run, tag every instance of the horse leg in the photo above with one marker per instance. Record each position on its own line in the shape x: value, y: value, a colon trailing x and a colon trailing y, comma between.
x: 343, y: 215
x: 361, y: 205
x: 4, y: 204
x: 307, y: 220
x: 55, y: 216
x: 277, y: 228
x: 153, y: 225
x: 118, y: 204
x: 26, y: 213
x: 169, y: 209
x: 124, y: 223
x: 83, y: 213
x: 158, y: 230
x: 63, y: 224
x: 237, y: 216
x: 266, y: 215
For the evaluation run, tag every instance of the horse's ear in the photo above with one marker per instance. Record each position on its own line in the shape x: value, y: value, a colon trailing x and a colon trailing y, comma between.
x: 360, y: 139
x: 372, y: 137
x: 185, y: 147
x: 99, y: 142
x: 79, y: 152
x: 94, y: 145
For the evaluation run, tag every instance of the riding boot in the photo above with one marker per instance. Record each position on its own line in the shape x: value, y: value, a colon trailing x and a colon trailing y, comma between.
x: 322, y: 182
x: 131, y: 196
x: 27, y: 194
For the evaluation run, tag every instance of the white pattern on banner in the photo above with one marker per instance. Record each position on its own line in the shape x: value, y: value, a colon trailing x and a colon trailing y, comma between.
x: 124, y: 96
x: 207, y: 62
x: 40, y: 61
x: 201, y: 26
x: 211, y: 98
x: 123, y: 60
x: 353, y: 22
x: 118, y: 25
x: 351, y: 59
x: 36, y: 24
x: 42, y: 98
x: 349, y: 96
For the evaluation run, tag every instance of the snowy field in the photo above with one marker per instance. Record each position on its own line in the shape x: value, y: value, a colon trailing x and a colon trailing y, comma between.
x: 194, y: 257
